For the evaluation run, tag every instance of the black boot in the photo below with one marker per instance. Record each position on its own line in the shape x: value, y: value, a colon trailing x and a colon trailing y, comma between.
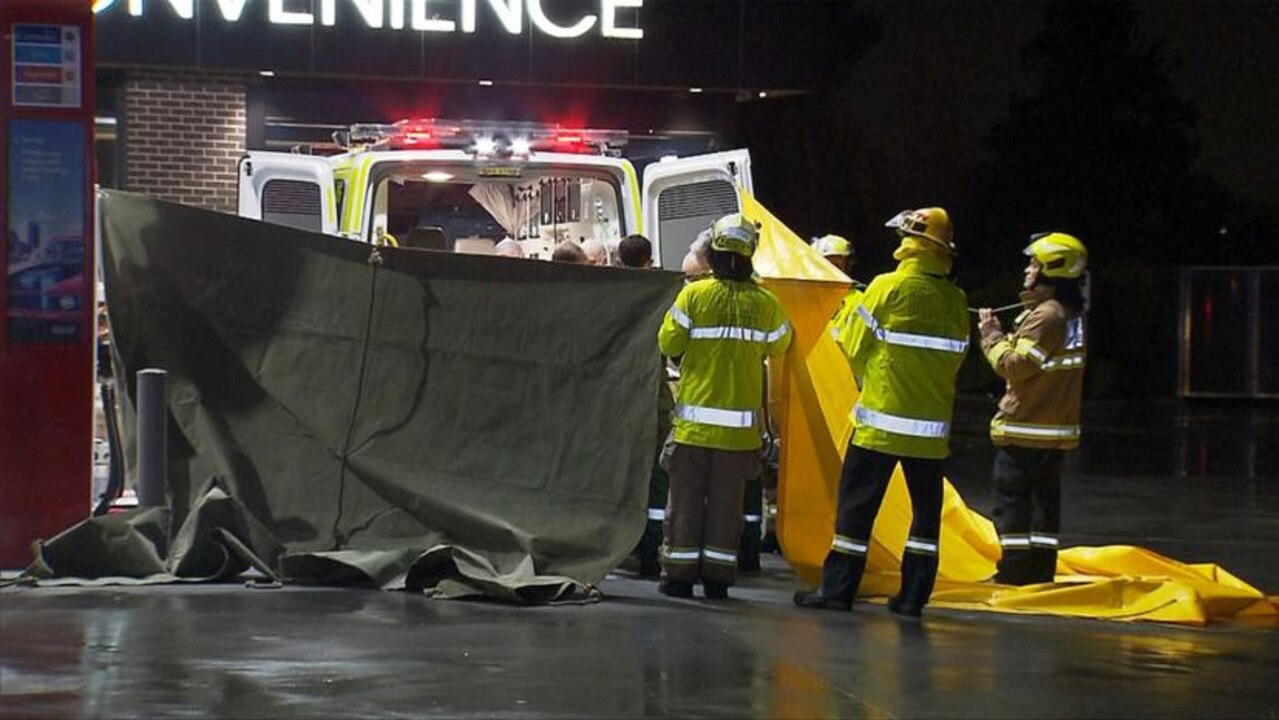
x: 714, y: 590
x: 817, y: 600
x: 676, y: 588
x: 898, y: 607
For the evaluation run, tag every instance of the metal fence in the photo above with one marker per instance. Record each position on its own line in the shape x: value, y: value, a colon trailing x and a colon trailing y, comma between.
x: 1229, y: 332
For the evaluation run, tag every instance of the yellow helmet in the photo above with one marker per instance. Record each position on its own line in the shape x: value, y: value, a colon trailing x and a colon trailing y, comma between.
x: 829, y: 245
x: 929, y: 223
x: 1059, y: 255
x: 736, y: 234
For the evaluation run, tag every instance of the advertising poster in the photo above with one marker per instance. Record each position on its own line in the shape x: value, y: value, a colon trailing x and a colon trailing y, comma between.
x: 46, y: 66
x: 46, y: 243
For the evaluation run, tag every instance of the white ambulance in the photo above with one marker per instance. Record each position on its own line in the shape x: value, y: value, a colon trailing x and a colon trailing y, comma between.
x: 464, y: 186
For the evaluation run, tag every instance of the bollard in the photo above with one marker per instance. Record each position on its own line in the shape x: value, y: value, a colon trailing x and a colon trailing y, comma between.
x: 153, y: 440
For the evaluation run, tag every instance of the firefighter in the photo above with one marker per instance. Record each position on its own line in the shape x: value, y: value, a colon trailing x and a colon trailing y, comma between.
x: 838, y: 251
x: 723, y: 326
x: 905, y: 344
x: 1042, y: 362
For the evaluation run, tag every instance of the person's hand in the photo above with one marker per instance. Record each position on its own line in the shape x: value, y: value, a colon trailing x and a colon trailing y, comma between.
x: 988, y: 323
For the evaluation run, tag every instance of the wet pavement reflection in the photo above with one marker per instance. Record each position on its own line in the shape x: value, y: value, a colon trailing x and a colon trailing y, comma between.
x: 228, y: 651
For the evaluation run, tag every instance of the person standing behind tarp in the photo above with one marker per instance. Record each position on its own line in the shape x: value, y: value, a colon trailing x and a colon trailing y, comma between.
x: 905, y: 346
x: 635, y: 251
x: 723, y: 326
x: 838, y: 251
x: 1042, y: 361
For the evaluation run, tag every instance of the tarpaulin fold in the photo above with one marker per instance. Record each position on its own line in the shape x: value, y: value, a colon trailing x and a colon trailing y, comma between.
x: 392, y: 417
x: 816, y: 394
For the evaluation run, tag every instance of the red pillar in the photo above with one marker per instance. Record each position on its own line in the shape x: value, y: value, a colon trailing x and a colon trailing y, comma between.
x: 47, y: 277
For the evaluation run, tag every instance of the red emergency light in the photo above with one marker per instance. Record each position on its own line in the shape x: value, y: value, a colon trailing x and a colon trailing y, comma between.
x: 483, y: 138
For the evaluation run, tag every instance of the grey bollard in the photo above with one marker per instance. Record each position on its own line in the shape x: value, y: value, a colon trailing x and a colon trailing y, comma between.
x: 153, y: 440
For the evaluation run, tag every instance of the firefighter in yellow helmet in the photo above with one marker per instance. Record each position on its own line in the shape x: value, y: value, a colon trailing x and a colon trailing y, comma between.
x: 1042, y: 360
x: 905, y: 345
x: 723, y: 326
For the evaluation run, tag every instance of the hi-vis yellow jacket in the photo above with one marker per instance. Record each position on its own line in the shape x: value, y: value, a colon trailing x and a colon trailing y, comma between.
x: 724, y: 330
x: 905, y: 345
x: 1043, y: 362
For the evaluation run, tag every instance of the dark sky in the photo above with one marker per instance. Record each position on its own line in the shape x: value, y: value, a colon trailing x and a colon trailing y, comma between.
x: 944, y: 72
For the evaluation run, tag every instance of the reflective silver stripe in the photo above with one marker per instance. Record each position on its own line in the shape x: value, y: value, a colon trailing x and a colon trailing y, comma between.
x: 728, y: 333
x: 1045, y: 540
x: 778, y: 334
x: 921, y: 546
x: 656, y: 514
x: 927, y: 342
x: 716, y: 416
x: 842, y: 543
x: 753, y: 518
x: 1026, y: 346
x: 1014, y: 541
x: 1068, y: 432
x: 681, y: 318
x: 1065, y: 362
x: 721, y: 556
x: 682, y: 554
x: 901, y: 425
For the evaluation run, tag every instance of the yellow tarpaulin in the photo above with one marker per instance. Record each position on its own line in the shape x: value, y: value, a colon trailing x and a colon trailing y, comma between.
x: 813, y: 399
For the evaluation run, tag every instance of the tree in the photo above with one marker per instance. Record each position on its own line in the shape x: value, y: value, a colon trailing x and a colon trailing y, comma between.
x: 1105, y: 150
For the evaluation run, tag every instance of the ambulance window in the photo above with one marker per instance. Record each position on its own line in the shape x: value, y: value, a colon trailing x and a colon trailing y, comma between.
x: 294, y: 203
x: 683, y: 211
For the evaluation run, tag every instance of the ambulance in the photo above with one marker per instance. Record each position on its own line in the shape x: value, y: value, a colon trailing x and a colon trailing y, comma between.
x: 464, y: 186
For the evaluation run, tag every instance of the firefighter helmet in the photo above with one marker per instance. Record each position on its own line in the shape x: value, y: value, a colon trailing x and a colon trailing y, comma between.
x: 829, y: 245
x: 932, y: 224
x: 736, y: 234
x: 1059, y: 255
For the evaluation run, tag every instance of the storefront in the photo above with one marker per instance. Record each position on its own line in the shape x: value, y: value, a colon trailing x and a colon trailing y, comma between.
x: 186, y: 86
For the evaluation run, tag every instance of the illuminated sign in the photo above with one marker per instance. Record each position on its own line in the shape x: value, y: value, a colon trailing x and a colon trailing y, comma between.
x: 419, y: 15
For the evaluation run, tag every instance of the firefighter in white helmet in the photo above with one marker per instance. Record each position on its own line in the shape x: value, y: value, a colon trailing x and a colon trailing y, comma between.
x: 905, y: 345
x: 1042, y: 360
x: 723, y: 326
x: 838, y: 251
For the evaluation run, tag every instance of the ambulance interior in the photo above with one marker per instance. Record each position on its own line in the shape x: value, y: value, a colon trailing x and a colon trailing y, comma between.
x: 471, y: 209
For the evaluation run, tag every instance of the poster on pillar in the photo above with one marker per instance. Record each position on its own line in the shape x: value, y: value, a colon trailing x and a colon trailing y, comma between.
x: 47, y: 289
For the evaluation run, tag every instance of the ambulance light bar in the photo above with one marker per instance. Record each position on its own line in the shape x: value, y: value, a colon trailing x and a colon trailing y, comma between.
x: 482, y: 138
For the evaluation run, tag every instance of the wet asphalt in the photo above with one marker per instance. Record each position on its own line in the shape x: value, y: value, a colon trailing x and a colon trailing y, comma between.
x: 1198, y: 482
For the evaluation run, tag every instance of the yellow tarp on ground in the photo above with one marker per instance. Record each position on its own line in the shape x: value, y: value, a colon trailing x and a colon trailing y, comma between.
x: 813, y: 399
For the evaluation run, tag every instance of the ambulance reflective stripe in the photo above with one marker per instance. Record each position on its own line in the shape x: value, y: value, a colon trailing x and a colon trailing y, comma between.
x: 737, y: 333
x: 656, y: 513
x: 717, y: 555
x: 901, y: 425
x: 715, y: 416
x: 1029, y: 431
x: 848, y: 546
x: 921, y: 546
x: 681, y: 318
x: 1064, y: 362
x: 1015, y: 541
x: 926, y: 342
x: 1041, y: 540
x: 682, y: 554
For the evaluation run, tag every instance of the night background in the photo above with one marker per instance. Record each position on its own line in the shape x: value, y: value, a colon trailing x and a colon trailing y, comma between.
x: 1144, y: 128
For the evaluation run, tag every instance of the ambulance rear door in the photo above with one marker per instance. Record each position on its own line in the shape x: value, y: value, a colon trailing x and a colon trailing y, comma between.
x: 683, y: 196
x: 289, y: 189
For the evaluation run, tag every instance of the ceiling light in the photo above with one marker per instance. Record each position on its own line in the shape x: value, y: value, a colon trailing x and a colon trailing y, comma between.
x: 267, y: 73
x: 695, y: 90
x: 486, y: 83
x: 763, y: 94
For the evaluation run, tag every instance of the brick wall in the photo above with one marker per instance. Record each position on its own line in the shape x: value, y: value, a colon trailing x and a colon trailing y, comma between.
x: 183, y: 133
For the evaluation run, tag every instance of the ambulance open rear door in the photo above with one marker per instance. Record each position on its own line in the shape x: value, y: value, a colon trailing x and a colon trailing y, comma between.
x: 682, y: 197
x: 287, y: 189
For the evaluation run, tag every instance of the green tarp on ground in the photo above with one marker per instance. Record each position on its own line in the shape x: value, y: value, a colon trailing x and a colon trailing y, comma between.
x: 393, y: 417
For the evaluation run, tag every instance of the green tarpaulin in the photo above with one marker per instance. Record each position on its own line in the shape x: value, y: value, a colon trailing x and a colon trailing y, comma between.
x: 393, y: 417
